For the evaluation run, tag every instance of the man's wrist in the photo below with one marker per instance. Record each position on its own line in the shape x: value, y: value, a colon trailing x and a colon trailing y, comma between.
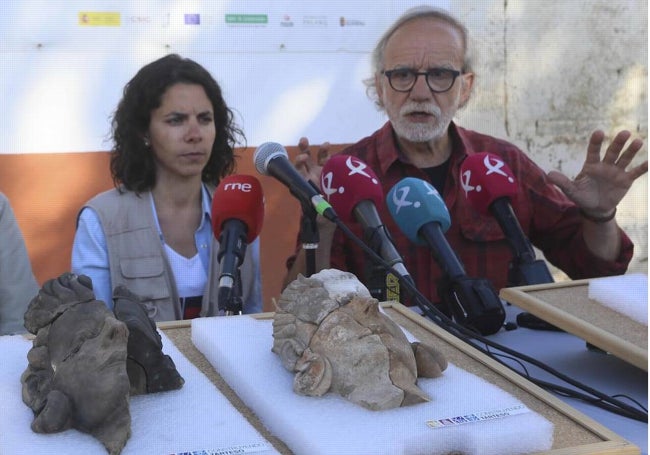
x: 598, y: 219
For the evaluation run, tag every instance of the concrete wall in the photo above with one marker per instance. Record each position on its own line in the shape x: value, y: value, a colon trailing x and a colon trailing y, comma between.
x: 549, y: 72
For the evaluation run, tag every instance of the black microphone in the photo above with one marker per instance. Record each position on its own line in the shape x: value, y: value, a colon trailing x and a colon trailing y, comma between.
x: 237, y: 216
x: 272, y: 159
x: 489, y: 186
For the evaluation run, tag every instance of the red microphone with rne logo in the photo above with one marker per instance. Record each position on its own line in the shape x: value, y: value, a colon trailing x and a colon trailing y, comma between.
x: 237, y: 217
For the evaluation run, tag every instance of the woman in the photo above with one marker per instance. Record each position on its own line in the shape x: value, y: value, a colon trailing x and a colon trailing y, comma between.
x: 174, y: 139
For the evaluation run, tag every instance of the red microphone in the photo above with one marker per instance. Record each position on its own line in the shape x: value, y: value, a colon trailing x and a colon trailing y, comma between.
x: 486, y: 178
x: 354, y: 191
x: 346, y: 182
x: 489, y: 186
x: 237, y: 216
x: 238, y: 197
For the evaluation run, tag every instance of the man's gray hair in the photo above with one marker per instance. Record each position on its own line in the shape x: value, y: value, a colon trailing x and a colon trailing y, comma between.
x: 417, y: 12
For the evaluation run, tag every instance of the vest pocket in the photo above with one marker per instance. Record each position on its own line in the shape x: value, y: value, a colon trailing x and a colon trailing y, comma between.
x: 144, y: 276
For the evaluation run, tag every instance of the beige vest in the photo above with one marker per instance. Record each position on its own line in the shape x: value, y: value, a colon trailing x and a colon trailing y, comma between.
x: 138, y: 261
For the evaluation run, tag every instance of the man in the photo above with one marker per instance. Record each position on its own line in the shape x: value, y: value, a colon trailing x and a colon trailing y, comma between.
x: 422, y: 78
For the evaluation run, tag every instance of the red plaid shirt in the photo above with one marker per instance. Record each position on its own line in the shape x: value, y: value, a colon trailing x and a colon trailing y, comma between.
x: 547, y: 217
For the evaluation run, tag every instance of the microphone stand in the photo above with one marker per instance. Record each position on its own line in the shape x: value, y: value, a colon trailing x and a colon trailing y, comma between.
x: 230, y: 300
x: 309, y: 237
x: 524, y: 268
x: 473, y: 302
x: 382, y: 285
x: 375, y: 274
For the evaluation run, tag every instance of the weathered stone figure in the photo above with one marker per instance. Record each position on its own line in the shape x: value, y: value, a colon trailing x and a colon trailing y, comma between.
x: 149, y: 370
x: 76, y: 377
x: 330, y: 332
x: 86, y: 360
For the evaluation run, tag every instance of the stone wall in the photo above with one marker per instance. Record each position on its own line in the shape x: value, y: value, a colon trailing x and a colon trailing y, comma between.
x: 549, y: 72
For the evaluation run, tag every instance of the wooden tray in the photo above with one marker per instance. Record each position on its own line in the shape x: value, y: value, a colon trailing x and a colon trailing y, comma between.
x: 567, y: 306
x: 574, y: 433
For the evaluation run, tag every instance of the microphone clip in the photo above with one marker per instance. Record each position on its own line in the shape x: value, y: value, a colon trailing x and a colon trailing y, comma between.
x: 382, y: 284
x: 229, y: 298
x: 523, y: 273
x: 309, y: 236
x: 473, y: 302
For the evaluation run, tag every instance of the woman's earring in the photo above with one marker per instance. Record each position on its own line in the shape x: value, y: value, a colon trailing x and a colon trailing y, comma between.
x: 146, y: 142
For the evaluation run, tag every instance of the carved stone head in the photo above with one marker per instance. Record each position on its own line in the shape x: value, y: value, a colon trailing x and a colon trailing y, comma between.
x: 331, y: 334
x: 76, y: 376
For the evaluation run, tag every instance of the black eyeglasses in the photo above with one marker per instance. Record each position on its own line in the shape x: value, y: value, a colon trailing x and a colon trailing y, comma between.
x: 439, y: 80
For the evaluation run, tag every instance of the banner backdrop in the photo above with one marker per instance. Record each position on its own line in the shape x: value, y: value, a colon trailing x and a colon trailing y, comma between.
x: 287, y: 68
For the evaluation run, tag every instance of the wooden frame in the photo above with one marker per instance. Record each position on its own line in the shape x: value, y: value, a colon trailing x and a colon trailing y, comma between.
x: 567, y: 306
x: 574, y: 433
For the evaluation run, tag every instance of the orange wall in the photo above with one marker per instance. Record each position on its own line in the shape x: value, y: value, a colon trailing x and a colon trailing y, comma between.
x: 47, y: 190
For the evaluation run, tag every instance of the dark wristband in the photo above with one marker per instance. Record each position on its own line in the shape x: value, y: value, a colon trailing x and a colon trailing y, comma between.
x: 598, y: 219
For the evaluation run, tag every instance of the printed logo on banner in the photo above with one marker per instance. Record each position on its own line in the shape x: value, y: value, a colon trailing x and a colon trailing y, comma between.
x: 314, y: 21
x: 345, y: 22
x: 247, y: 19
x: 192, y: 19
x: 286, y: 21
x: 140, y: 20
x: 99, y: 19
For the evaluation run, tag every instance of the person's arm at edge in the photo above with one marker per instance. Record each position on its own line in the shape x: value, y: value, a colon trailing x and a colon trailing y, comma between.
x: 17, y: 285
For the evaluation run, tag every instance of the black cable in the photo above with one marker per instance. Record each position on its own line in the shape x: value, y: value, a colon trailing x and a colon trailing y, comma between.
x: 554, y: 387
x: 628, y: 411
x: 637, y: 402
x: 465, y: 334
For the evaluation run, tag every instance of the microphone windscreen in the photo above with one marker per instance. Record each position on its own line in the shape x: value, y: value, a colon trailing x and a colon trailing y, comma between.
x: 412, y: 203
x: 346, y: 181
x: 266, y: 152
x: 486, y: 177
x: 238, y: 197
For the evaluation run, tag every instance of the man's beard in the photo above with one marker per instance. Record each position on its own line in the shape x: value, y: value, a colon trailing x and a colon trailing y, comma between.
x: 420, y: 132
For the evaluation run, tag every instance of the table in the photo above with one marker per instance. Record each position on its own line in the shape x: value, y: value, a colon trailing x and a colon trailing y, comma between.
x: 568, y: 354
x: 575, y: 432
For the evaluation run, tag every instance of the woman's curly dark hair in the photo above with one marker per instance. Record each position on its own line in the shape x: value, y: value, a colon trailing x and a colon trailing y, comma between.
x: 132, y: 162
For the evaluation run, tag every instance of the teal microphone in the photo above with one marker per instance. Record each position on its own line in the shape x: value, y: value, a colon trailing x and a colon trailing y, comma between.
x: 421, y: 214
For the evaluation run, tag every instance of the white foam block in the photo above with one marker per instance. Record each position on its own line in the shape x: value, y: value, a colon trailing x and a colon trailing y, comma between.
x: 240, y: 350
x: 196, y: 417
x: 627, y: 294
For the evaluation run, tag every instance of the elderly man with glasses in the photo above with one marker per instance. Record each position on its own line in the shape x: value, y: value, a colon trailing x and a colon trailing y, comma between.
x: 422, y: 77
